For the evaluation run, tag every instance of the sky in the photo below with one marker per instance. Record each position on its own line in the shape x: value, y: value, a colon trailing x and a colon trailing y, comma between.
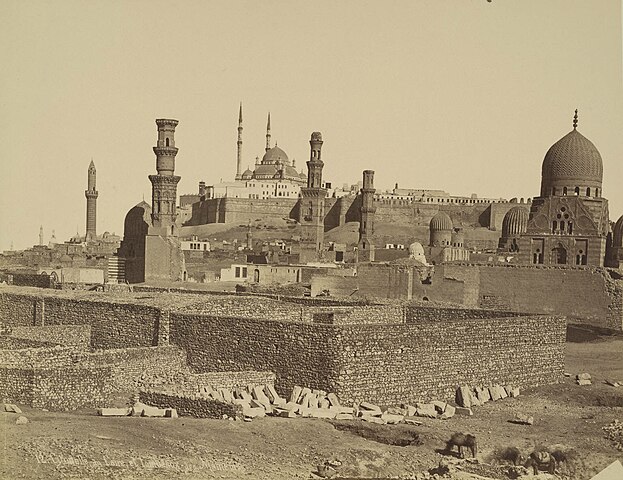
x: 460, y: 95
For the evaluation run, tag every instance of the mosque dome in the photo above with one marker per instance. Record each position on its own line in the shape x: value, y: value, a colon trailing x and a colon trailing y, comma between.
x: 416, y: 250
x: 275, y: 155
x: 572, y: 165
x: 441, y: 221
x: 617, y: 233
x: 515, y: 222
x: 247, y: 174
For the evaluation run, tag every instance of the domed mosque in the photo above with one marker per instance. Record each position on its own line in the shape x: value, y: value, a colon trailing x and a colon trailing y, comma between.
x: 568, y: 223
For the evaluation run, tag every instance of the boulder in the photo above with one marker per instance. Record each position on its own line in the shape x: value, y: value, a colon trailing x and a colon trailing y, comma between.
x: 583, y: 376
x: 612, y: 383
x: 463, y: 396
x: 426, y: 410
x: 397, y: 411
x: 584, y: 382
x: 410, y: 410
x: 21, y: 420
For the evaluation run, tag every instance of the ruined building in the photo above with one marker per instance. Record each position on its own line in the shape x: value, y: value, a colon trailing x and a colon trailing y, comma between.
x: 151, y: 248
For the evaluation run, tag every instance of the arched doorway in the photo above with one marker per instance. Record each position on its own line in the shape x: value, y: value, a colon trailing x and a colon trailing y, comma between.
x: 559, y: 255
x: 256, y: 276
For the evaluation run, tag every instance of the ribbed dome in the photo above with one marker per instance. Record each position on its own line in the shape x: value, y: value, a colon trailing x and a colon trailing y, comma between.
x: 441, y: 221
x: 275, y: 155
x: 573, y: 161
x: 617, y: 233
x: 515, y: 222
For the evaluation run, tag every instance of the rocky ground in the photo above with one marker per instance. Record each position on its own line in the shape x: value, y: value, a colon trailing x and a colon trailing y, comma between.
x: 82, y: 445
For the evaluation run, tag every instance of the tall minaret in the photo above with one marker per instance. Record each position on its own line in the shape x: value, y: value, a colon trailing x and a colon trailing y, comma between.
x: 311, y: 211
x: 91, y: 195
x: 366, y: 221
x: 41, y: 235
x: 239, y: 157
x: 268, y: 133
x: 164, y: 184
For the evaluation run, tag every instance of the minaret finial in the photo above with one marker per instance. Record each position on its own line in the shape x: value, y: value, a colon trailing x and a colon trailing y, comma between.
x: 268, y: 133
x: 575, y: 119
x: 240, y: 114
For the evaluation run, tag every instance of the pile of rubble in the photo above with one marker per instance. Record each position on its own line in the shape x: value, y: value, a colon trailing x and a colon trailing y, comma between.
x: 468, y: 397
x: 614, y: 432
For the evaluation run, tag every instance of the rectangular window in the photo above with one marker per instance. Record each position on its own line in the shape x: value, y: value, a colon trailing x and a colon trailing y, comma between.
x: 244, y: 272
x: 237, y: 275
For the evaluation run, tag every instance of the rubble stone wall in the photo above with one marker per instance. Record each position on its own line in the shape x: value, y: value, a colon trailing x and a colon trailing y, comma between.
x: 191, y: 406
x: 68, y: 335
x: 17, y: 309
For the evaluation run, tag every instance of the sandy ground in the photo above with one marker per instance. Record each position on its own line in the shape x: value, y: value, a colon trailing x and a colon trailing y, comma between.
x: 83, y: 446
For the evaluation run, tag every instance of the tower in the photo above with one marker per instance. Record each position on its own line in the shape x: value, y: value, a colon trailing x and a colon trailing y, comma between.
x: 311, y: 212
x: 91, y: 194
x: 268, y: 133
x: 164, y: 184
x: 239, y: 153
x: 365, y: 247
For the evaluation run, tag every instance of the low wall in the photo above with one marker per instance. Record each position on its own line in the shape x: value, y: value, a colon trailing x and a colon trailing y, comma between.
x: 195, y: 406
x: 78, y: 336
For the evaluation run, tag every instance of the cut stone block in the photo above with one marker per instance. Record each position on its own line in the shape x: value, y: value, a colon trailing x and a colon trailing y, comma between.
x: 306, y: 391
x: 292, y: 407
x: 370, y: 407
x: 583, y: 376
x: 344, y: 416
x: 12, y: 408
x: 397, y: 411
x: 514, y: 393
x: 584, y: 382
x: 217, y: 395
x: 242, y: 402
x: 502, y: 392
x: 525, y: 419
x: 280, y: 402
x: 313, y: 400
x: 152, y: 412
x: 372, y: 419
x: 412, y: 421
x: 449, y: 411
x: 464, y: 397
x: 287, y: 414
x: 226, y: 394
x: 426, y: 410
x: 494, y: 393
x: 612, y: 383
x: 333, y: 400
x: 464, y: 411
x: 259, y: 395
x: 483, y: 395
x: 137, y: 409
x: 253, y: 412
x: 296, y: 393
x: 324, y: 403
x: 322, y: 413
x: 392, y: 419
x: 21, y: 420
x: 170, y: 413
x: 114, y: 412
x: 410, y: 410
x: 439, y: 406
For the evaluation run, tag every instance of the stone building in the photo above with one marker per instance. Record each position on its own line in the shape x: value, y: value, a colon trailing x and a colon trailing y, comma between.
x: 151, y: 248
x: 447, y: 243
x: 568, y: 222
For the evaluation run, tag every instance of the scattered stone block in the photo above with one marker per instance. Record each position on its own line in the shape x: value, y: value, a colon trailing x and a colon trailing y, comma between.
x: 322, y: 413
x: 370, y: 407
x: 612, y: 383
x: 324, y: 403
x: 494, y: 393
x: 114, y: 412
x: 483, y: 395
x: 391, y: 418
x: 306, y: 391
x: 292, y: 407
x: 584, y: 382
x: 217, y: 395
x: 464, y: 411
x: 137, y: 409
x: 170, y: 413
x: 313, y: 400
x: 287, y: 413
x: 296, y: 393
x: 280, y: 402
x: 153, y: 412
x: 333, y: 400
x: 259, y: 395
x: 448, y: 412
x: 242, y: 402
x: 21, y: 420
x: 253, y: 412
x: 426, y: 410
x: 463, y: 397
x: 514, y: 393
x: 501, y: 391
x: 397, y: 411
x: 372, y: 419
x: 439, y: 406
x: 410, y: 410
x: 523, y: 419
x: 12, y: 408
x: 583, y: 376
x: 344, y: 416
x: 412, y: 421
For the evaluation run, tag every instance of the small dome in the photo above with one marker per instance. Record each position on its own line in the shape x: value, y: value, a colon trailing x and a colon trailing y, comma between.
x: 441, y: 222
x: 617, y: 233
x: 275, y: 155
x: 572, y: 161
x: 416, y: 249
x: 247, y: 174
x: 515, y: 222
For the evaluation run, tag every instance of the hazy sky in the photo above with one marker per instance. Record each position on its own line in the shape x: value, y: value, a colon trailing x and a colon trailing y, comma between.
x: 463, y: 95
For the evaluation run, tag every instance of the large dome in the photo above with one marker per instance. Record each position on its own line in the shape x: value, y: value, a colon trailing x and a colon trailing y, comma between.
x: 275, y: 155
x: 572, y: 166
x: 515, y: 222
x: 441, y: 221
x: 618, y: 233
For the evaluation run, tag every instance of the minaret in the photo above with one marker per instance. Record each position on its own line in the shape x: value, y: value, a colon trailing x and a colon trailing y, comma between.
x: 164, y: 184
x: 311, y: 211
x: 91, y: 194
x: 268, y: 133
x: 239, y: 156
x: 41, y: 235
x: 366, y: 222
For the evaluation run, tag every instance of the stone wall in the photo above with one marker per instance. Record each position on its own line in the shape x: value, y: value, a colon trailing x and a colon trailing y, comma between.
x: 17, y: 309
x: 191, y: 406
x: 78, y: 336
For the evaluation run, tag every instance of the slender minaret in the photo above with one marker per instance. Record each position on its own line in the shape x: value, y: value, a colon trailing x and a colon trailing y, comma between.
x: 268, y: 133
x: 366, y: 221
x: 239, y: 157
x: 311, y: 211
x: 41, y: 235
x: 91, y: 195
x: 164, y: 184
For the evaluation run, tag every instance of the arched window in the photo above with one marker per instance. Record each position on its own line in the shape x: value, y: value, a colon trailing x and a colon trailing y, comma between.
x: 166, y: 142
x: 596, y: 192
x: 553, y: 190
x: 588, y: 191
x: 564, y: 190
x: 577, y: 190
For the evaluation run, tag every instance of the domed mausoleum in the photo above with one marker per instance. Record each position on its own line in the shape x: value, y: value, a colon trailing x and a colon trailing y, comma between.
x: 568, y: 223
